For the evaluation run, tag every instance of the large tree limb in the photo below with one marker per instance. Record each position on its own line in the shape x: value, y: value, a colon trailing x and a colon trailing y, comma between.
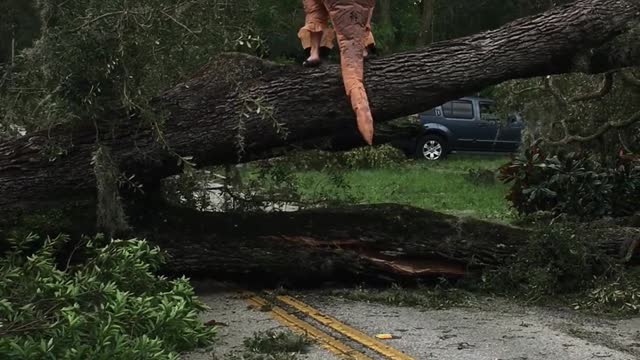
x: 244, y: 105
x: 359, y: 241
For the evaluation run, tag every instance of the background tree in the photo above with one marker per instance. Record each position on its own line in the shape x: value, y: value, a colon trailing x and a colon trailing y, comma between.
x: 425, y: 36
x: 19, y: 26
x: 96, y: 59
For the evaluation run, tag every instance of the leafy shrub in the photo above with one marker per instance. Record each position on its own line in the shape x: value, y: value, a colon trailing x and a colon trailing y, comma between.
x: 573, y: 184
x: 110, y: 306
x: 552, y: 263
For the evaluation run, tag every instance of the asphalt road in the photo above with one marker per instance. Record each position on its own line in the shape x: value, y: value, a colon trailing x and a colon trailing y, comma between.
x: 240, y: 322
x: 490, y: 329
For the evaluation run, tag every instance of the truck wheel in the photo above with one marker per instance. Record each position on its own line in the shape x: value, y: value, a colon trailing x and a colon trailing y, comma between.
x: 432, y: 148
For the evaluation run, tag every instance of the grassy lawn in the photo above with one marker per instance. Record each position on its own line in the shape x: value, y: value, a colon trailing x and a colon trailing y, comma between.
x: 442, y: 186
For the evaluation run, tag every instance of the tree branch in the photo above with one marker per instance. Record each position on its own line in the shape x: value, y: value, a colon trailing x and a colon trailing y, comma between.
x: 629, y: 78
x: 557, y: 94
x: 179, y: 23
x: 601, y: 131
x: 605, y: 88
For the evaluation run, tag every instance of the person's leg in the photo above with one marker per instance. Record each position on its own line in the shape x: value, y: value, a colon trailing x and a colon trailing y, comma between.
x: 314, y: 56
x: 370, y: 42
x: 349, y: 18
x: 315, y: 33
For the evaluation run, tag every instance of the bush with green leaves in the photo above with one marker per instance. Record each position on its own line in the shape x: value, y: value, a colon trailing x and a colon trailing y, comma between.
x: 573, y: 184
x: 558, y: 266
x: 111, y: 305
x: 552, y: 263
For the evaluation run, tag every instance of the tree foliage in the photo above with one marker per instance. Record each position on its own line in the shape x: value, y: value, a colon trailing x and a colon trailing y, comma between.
x: 560, y: 267
x: 599, y: 114
x: 98, y: 60
x: 111, y: 305
x: 572, y: 183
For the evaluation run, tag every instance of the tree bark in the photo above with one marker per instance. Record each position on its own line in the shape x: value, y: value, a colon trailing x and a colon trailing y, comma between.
x: 347, y: 243
x: 238, y: 106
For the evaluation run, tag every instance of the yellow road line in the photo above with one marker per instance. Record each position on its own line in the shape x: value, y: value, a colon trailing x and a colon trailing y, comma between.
x: 334, y: 345
x: 357, y: 335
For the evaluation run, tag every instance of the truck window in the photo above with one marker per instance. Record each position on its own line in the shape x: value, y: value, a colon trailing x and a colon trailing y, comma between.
x: 488, y: 111
x: 460, y: 109
x: 431, y: 112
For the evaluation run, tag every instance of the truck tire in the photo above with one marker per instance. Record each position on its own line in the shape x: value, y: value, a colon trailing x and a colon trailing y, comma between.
x: 432, y: 148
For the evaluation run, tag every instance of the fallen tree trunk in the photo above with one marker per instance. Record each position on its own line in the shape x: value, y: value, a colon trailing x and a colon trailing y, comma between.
x: 241, y: 106
x: 357, y: 243
x: 339, y: 244
x: 401, y: 132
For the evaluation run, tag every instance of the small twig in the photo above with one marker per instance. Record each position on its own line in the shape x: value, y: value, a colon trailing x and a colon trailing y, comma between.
x: 529, y: 89
x: 45, y: 99
x: 623, y: 143
x: 63, y: 3
x: 75, y: 248
x: 185, y: 4
x: 96, y: 19
x: 29, y: 326
x: 179, y: 23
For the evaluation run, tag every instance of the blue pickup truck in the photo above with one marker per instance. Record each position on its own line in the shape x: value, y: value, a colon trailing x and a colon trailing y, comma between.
x: 467, y: 124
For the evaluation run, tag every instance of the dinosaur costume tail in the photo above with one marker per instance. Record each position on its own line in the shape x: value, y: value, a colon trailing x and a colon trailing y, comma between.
x: 351, y: 21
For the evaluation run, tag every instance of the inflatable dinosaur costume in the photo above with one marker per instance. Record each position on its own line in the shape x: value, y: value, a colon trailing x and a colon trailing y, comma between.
x: 351, y: 20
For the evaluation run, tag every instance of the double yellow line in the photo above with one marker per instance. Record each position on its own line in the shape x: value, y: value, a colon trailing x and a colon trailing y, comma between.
x: 330, y: 343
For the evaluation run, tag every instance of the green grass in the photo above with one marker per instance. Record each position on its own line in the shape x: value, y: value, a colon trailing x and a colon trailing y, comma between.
x: 268, y: 342
x: 442, y: 186
x: 272, y: 345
